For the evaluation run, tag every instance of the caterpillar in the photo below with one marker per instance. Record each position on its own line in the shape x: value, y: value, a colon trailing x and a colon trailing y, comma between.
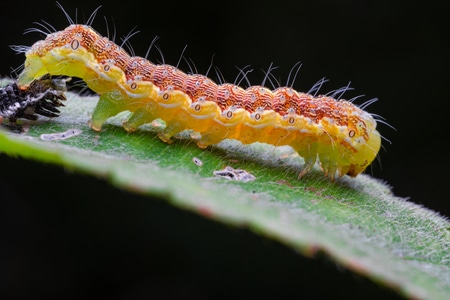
x: 40, y: 97
x: 339, y: 135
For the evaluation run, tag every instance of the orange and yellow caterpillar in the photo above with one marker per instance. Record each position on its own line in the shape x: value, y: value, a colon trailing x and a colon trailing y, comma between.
x: 337, y: 133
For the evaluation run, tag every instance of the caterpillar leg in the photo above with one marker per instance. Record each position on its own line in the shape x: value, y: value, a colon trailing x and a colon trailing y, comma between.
x: 308, y: 152
x: 329, y: 165
x: 174, y: 127
x: 215, y: 134
x: 109, y: 105
x: 309, y: 163
x: 209, y: 139
x: 140, y: 117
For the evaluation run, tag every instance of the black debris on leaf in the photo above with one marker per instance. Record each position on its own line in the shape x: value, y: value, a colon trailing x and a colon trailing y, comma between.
x: 41, y: 97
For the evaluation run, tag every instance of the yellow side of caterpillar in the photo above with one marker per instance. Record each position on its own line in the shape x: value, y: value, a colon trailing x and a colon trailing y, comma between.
x: 340, y: 135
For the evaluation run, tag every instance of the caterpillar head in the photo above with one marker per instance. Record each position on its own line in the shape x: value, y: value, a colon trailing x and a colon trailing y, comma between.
x: 63, y: 52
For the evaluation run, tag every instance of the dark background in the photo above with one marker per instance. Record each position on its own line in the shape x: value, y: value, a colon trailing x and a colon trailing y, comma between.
x: 396, y: 51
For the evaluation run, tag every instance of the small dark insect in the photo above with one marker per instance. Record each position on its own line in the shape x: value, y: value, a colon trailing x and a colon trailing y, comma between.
x: 41, y: 97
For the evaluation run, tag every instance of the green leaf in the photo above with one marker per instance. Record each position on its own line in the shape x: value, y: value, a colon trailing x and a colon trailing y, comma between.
x: 357, y: 222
